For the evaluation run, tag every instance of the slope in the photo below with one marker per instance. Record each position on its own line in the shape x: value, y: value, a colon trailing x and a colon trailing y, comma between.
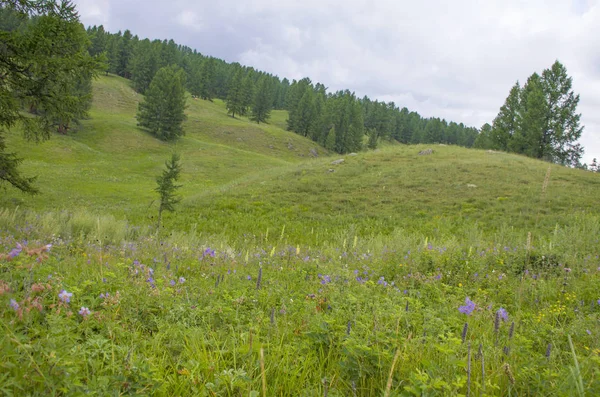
x: 109, y: 165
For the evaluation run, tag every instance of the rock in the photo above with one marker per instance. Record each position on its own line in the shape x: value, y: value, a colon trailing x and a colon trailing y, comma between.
x: 290, y: 146
x: 471, y: 185
x: 336, y: 162
x: 492, y: 151
x: 352, y: 154
x: 442, y: 144
x: 271, y: 147
x: 426, y: 152
x: 331, y: 170
x: 313, y: 152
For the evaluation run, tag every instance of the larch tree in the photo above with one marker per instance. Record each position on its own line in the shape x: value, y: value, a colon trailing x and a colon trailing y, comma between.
x: 235, y: 97
x: 44, y: 65
x: 162, y: 112
x: 263, y: 101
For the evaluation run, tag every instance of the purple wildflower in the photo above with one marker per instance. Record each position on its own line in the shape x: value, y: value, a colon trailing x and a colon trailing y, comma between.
x: 181, y: 280
x: 468, y: 307
x: 588, y: 331
x: 14, y: 305
x: 172, y: 282
x: 503, y: 314
x: 209, y: 252
x: 248, y: 277
x: 65, y: 296
x: 84, y: 311
x: 15, y: 251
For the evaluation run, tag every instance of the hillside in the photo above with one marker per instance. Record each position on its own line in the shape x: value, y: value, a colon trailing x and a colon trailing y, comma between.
x: 464, y: 270
x: 109, y: 165
x: 240, y: 177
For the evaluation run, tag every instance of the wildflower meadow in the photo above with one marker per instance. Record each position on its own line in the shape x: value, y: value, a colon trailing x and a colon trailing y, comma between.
x: 158, y: 316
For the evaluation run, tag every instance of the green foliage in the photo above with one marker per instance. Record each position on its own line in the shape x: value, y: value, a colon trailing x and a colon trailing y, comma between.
x: 163, y: 110
x: 247, y: 94
x: 263, y: 101
x: 54, y: 81
x: 143, y: 65
x: 166, y: 186
x: 540, y: 120
x: 236, y: 96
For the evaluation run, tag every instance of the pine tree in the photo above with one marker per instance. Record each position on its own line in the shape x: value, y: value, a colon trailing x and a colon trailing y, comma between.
x: 166, y: 186
x: 261, y: 110
x: 162, y: 111
x: 235, y: 97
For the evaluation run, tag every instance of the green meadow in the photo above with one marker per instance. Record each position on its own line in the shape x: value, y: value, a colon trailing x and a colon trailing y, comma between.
x: 463, y: 272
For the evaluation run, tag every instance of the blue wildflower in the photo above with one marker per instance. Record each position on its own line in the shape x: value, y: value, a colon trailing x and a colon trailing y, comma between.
x: 503, y: 314
x: 181, y: 280
x: 65, y: 296
x: 468, y: 307
x: 15, y: 251
x: 172, y: 283
x: 14, y: 305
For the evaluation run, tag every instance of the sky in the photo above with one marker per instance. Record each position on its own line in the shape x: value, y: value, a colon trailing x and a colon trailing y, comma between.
x: 455, y: 60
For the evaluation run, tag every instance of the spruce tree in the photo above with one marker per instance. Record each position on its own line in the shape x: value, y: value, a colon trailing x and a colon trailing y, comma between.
x: 162, y: 112
x: 166, y: 186
x: 263, y: 101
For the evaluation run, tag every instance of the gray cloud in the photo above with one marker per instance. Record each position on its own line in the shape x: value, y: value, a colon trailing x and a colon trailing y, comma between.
x: 456, y: 60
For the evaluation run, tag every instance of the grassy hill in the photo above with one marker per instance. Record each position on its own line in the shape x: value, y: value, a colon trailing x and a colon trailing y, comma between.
x: 393, y: 274
x: 240, y: 178
x: 108, y: 165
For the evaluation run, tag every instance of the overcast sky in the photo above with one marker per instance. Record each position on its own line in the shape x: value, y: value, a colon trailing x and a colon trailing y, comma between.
x: 451, y: 59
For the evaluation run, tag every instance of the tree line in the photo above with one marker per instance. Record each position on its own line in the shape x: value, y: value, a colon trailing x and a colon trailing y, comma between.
x: 340, y: 121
